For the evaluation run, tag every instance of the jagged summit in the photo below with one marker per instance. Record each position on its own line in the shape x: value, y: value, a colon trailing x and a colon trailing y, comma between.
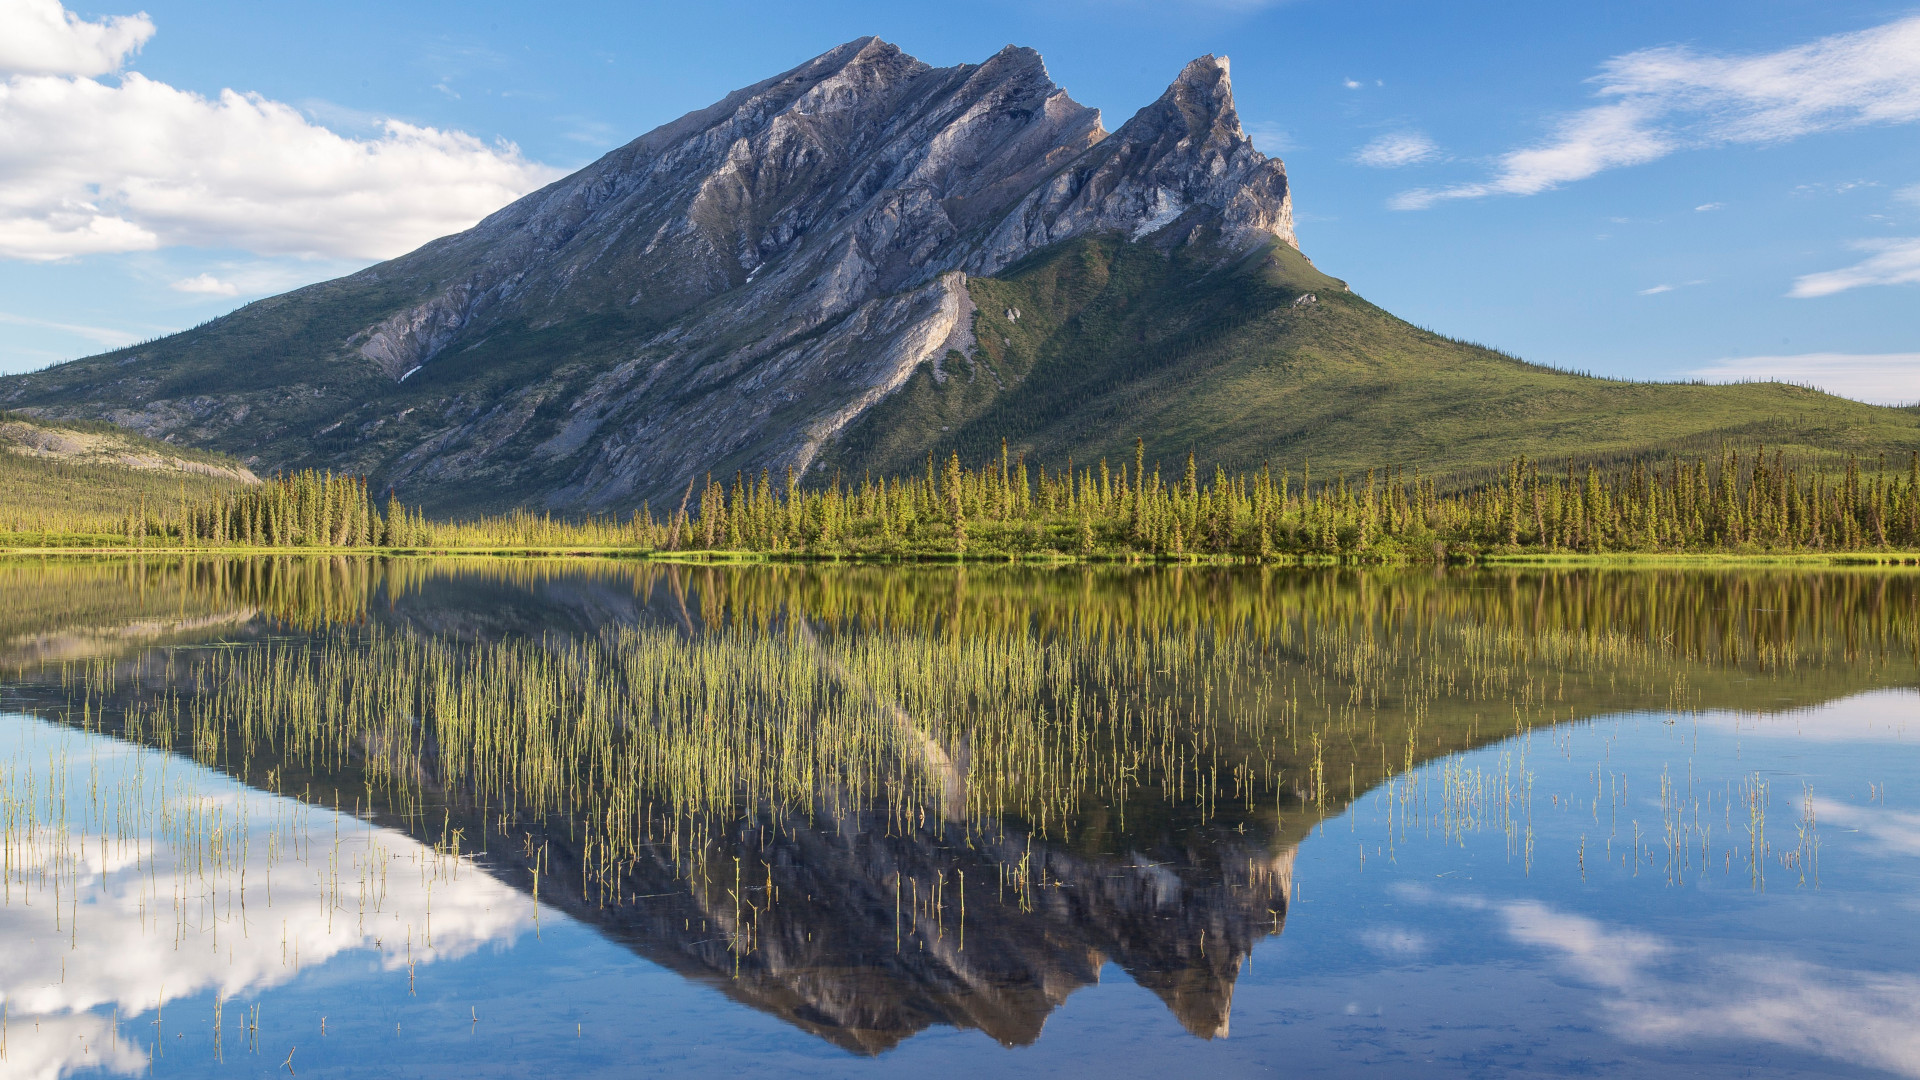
x: 729, y: 290
x: 1182, y: 158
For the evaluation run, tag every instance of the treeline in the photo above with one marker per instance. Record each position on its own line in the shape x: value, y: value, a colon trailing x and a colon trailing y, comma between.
x: 67, y: 501
x: 306, y: 509
x: 1754, y: 503
x: 312, y: 509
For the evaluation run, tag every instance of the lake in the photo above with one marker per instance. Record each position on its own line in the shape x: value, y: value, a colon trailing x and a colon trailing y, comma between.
x: 402, y: 817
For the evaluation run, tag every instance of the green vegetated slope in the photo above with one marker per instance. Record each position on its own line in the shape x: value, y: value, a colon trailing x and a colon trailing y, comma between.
x: 77, y: 477
x: 283, y: 358
x: 1088, y: 345
x: 281, y: 382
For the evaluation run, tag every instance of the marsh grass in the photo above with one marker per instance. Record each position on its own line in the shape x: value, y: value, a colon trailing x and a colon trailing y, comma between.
x: 1078, y: 708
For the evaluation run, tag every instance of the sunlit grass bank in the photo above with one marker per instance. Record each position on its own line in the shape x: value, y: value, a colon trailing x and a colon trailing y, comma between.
x: 1746, y: 508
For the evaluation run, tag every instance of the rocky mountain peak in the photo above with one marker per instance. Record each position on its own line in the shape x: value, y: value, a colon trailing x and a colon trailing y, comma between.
x: 737, y: 286
x: 1180, y: 164
x: 1202, y: 100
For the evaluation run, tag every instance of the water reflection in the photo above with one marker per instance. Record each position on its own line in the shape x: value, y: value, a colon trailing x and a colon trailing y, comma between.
x: 134, y: 879
x: 865, y: 801
x: 1659, y: 991
x: 1805, y: 966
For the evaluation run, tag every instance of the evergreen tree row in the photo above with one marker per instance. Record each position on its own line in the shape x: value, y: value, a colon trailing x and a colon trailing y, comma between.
x: 1739, y: 503
x: 1753, y: 503
x: 306, y: 509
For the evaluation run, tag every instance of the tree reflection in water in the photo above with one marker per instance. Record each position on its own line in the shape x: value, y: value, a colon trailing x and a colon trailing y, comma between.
x: 865, y: 800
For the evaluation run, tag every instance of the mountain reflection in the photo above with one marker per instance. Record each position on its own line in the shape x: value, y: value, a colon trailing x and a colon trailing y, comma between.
x: 869, y: 801
x: 864, y: 937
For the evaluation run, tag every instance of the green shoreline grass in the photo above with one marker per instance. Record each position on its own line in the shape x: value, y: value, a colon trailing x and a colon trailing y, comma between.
x: 1892, y: 559
x: 1759, y: 511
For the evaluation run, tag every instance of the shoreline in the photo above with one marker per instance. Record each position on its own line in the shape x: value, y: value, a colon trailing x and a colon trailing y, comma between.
x: 1887, y: 560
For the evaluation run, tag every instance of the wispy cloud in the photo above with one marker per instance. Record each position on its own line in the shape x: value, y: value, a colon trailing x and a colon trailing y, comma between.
x: 1890, y: 716
x: 1896, y: 832
x: 104, y: 335
x: 1396, y: 942
x: 1881, y: 378
x: 584, y: 129
x: 1666, y: 287
x: 1833, y: 187
x: 1657, y: 101
x: 90, y: 167
x: 1269, y: 137
x: 1708, y: 207
x: 1397, y: 150
x: 229, y: 278
x: 1868, y: 1018
x: 1670, y: 991
x: 1895, y: 261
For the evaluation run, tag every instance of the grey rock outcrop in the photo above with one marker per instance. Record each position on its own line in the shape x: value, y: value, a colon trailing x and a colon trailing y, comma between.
x: 1182, y: 159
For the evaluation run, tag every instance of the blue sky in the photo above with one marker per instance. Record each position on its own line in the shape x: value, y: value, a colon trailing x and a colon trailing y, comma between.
x: 1648, y: 190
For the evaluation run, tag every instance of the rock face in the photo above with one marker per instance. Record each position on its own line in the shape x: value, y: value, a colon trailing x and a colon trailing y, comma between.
x: 835, y: 958
x: 730, y: 290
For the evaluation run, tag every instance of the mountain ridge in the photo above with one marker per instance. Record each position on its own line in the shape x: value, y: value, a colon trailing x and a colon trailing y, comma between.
x: 757, y: 284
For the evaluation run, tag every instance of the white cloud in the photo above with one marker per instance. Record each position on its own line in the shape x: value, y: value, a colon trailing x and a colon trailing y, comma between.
x: 206, y: 285
x: 1672, y: 991
x: 1657, y: 101
x: 1896, y: 261
x: 61, y: 987
x: 1863, y: 1017
x: 1707, y: 207
x: 1881, y: 378
x: 1600, y: 955
x: 1351, y: 84
x: 1397, y: 150
x: 66, y: 228
x: 1909, y: 194
x: 39, y: 37
x: 89, y: 167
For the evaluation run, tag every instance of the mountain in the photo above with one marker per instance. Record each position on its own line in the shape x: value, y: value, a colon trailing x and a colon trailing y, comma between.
x: 858, y: 262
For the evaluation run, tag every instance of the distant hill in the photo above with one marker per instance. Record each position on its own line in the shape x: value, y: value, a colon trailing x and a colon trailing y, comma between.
x: 1264, y: 359
x: 864, y: 260
x: 70, y: 475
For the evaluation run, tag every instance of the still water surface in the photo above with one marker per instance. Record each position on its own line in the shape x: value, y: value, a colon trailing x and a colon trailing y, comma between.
x: 353, y: 817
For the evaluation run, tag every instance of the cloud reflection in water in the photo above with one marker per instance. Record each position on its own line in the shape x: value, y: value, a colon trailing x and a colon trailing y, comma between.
x: 164, y: 881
